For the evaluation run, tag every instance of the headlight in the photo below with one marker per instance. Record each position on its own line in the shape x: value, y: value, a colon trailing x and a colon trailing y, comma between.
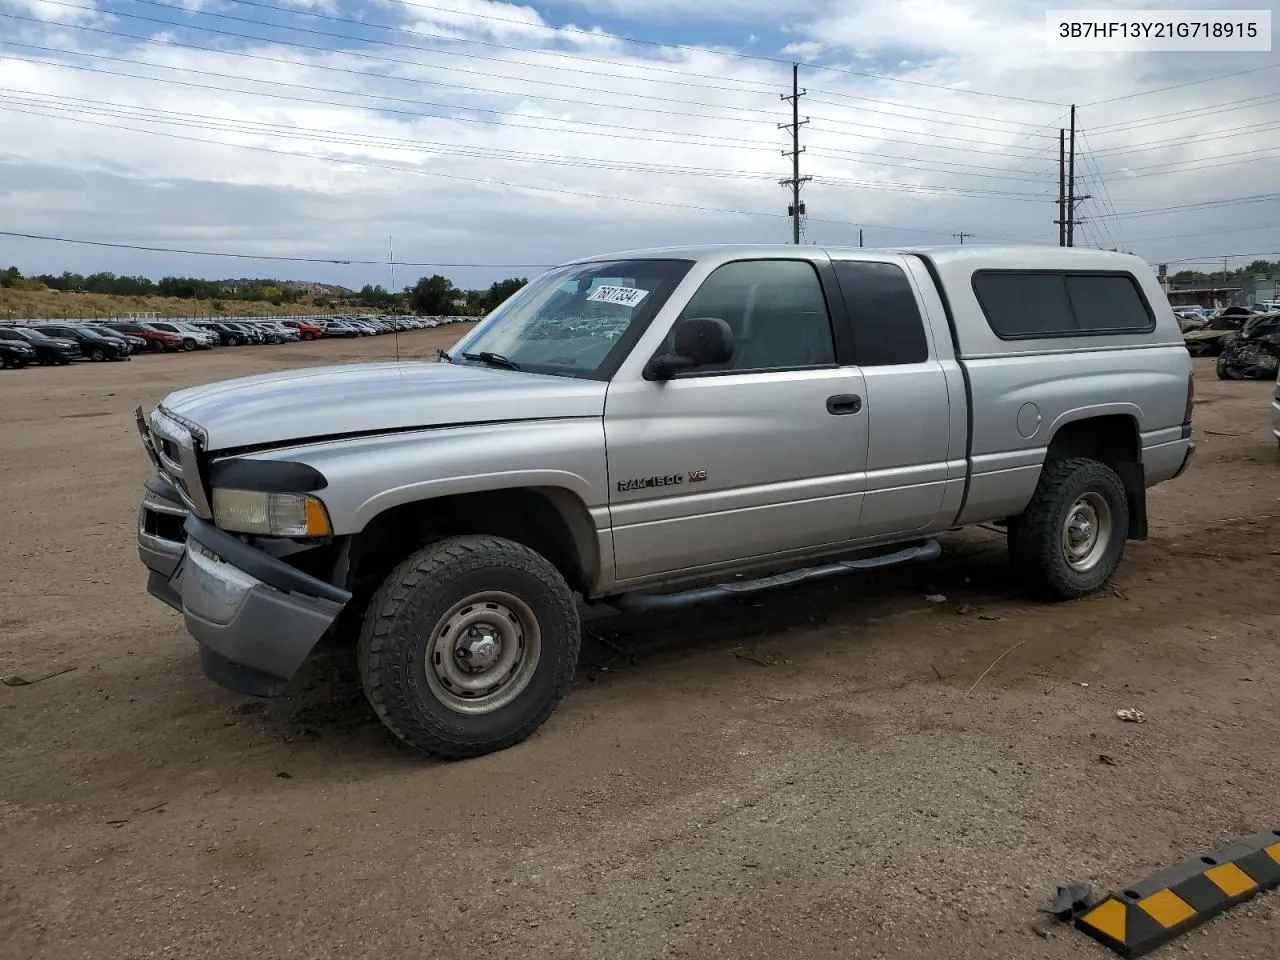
x: 273, y: 514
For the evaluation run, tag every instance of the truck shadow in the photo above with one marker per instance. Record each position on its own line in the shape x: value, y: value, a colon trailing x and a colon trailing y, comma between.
x: 973, y: 571
x: 619, y: 650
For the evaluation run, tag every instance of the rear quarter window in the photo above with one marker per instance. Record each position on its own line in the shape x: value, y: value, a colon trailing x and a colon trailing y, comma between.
x: 1022, y: 305
x: 886, y: 321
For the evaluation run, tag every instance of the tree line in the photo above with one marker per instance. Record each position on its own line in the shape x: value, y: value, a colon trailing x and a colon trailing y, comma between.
x: 1264, y: 268
x: 434, y: 296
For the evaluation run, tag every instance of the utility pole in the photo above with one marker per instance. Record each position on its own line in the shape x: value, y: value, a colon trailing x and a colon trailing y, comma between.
x: 859, y: 236
x: 1062, y: 188
x: 1070, y: 219
x: 962, y: 235
x: 1071, y: 184
x: 796, y: 210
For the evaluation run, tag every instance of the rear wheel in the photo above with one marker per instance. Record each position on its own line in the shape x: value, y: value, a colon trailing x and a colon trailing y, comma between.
x: 1070, y: 539
x: 468, y: 646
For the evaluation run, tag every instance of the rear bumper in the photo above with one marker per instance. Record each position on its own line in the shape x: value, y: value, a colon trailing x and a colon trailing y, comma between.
x: 1186, y: 460
x: 255, y: 618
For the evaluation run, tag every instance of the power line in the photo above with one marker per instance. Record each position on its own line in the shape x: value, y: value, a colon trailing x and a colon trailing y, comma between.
x: 329, y: 51
x: 1000, y: 172
x: 913, y: 143
x: 488, y: 182
x: 1247, y: 157
x: 200, y: 121
x: 263, y: 256
x: 1161, y: 119
x: 1225, y: 256
x: 419, y: 49
x: 703, y: 50
x: 1185, y: 83
x: 907, y: 106
x: 741, y: 56
x: 1177, y: 208
x: 729, y: 142
x: 292, y: 11
x: 1250, y: 228
x: 312, y: 87
x: 449, y: 106
x: 1231, y: 132
x: 1103, y: 189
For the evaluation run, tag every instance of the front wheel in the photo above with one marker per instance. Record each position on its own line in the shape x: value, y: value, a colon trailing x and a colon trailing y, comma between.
x: 97, y: 354
x: 188, y: 344
x: 308, y: 336
x: 468, y: 646
x: 1070, y: 539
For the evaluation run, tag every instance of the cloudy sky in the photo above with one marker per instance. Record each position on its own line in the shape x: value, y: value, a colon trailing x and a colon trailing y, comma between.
x: 515, y: 135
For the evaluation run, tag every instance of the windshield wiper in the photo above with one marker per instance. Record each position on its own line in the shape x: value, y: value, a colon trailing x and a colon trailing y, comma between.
x: 493, y: 360
x: 442, y: 356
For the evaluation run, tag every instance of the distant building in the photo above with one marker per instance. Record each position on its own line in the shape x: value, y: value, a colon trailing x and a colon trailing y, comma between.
x: 1208, y: 297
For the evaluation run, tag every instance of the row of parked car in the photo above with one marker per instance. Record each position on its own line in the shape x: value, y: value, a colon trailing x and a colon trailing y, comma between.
x: 65, y: 341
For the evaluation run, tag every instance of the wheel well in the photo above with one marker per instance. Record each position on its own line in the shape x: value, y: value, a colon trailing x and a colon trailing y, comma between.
x: 550, y: 520
x: 1115, y: 441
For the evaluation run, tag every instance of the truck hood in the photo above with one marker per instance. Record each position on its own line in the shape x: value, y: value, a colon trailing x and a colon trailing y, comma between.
x: 353, y: 399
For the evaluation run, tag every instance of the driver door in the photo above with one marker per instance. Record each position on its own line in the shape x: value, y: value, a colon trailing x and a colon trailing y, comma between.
x: 753, y: 459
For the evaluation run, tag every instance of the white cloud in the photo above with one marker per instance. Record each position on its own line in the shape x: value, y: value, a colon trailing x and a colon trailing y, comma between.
x: 82, y: 11
x: 884, y: 153
x: 805, y: 49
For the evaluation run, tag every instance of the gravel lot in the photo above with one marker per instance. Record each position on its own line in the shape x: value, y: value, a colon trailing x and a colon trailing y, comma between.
x: 798, y: 776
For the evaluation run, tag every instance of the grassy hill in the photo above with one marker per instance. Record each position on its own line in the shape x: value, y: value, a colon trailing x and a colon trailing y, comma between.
x: 18, y: 304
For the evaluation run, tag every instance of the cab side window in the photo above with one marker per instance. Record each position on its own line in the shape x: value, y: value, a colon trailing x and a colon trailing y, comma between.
x: 776, y: 311
x: 886, y: 321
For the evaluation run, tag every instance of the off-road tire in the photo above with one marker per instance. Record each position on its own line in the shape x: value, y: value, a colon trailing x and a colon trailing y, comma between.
x: 1036, y: 537
x: 394, y: 637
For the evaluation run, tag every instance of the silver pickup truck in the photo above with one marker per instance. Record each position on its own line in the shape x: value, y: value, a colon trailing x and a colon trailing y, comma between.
x: 648, y: 429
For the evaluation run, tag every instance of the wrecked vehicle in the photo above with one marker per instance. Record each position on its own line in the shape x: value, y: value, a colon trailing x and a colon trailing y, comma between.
x: 1209, y: 339
x: 1254, y: 352
x: 642, y: 430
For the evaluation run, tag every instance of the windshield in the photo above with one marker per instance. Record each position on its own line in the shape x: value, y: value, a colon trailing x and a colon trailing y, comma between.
x: 31, y: 334
x: 578, y: 320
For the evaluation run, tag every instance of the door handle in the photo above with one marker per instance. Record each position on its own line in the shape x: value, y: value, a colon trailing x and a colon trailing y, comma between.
x: 843, y: 404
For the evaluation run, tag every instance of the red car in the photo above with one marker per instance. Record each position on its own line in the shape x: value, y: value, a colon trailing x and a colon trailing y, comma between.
x: 157, y: 340
x: 306, y: 331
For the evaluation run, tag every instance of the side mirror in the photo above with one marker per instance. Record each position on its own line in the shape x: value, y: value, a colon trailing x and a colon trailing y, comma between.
x: 696, y: 342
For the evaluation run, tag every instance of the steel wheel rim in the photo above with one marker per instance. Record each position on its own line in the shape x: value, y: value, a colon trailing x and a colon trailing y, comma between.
x: 483, y: 652
x: 1086, y: 532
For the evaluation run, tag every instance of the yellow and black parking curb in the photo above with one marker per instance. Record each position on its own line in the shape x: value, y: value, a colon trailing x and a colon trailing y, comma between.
x: 1149, y: 914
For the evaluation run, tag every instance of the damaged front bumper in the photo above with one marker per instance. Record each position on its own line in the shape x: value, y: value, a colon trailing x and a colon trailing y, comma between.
x: 255, y: 617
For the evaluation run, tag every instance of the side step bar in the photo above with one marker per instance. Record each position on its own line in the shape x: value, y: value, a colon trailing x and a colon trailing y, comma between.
x: 657, y: 602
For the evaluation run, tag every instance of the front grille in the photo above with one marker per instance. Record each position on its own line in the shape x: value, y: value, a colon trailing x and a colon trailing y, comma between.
x: 176, y: 457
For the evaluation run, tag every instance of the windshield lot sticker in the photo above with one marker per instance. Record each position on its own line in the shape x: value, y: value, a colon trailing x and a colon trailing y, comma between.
x: 622, y: 296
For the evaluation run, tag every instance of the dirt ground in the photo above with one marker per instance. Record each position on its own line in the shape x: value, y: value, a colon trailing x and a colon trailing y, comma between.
x: 800, y: 776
